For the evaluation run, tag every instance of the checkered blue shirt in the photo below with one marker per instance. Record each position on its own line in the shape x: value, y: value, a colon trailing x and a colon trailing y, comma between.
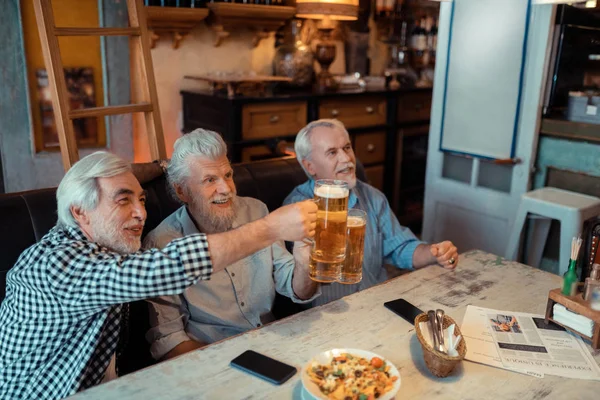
x: 59, y: 322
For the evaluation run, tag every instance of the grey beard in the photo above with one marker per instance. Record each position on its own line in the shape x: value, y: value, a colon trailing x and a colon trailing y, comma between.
x: 214, y: 223
x: 108, y: 236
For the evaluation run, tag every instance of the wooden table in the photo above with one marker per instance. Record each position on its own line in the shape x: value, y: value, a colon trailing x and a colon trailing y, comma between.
x: 361, y: 321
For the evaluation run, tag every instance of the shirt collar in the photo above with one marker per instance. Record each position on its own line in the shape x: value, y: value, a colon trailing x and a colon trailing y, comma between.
x: 76, y: 233
x: 352, y: 198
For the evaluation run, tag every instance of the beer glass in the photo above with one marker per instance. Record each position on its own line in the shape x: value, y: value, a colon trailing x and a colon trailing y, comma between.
x: 329, y: 244
x: 355, y: 249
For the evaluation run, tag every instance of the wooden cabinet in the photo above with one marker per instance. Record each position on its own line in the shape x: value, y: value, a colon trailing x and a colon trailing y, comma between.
x: 369, y: 148
x: 414, y: 107
x: 267, y: 120
x: 388, y: 130
x: 355, y: 112
x: 375, y: 176
x: 409, y: 179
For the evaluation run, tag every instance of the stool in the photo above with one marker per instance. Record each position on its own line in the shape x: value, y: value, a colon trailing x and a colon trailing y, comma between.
x: 570, y: 208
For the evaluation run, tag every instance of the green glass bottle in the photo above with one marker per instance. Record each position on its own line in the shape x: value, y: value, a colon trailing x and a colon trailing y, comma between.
x: 570, y: 279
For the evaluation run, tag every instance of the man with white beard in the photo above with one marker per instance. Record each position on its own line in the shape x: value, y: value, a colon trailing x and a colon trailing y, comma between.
x: 60, y: 319
x: 239, y: 297
x: 324, y: 151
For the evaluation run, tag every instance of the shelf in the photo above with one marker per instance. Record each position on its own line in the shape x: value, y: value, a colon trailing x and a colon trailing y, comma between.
x: 262, y: 19
x: 570, y: 130
x: 175, y: 21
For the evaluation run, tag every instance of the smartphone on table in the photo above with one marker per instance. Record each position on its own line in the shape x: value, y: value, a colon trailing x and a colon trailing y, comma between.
x: 404, y: 309
x: 263, y: 367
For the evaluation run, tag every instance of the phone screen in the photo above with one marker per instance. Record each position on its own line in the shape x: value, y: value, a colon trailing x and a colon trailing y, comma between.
x: 264, y: 367
x: 404, y: 309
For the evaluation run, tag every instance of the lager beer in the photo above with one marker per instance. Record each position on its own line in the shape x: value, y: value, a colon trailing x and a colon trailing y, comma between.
x: 352, y: 266
x: 329, y: 248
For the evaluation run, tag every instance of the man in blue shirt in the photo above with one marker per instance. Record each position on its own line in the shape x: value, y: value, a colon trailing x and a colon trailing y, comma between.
x: 324, y: 150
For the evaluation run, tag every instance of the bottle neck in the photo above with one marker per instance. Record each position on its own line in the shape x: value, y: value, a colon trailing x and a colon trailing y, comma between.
x: 572, y: 265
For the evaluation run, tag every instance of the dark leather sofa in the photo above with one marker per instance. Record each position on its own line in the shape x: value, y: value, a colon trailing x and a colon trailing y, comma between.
x: 28, y: 216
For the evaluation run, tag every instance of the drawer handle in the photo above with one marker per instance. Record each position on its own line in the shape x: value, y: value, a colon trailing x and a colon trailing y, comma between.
x: 274, y: 119
x: 335, y: 112
x: 370, y: 110
x: 370, y: 147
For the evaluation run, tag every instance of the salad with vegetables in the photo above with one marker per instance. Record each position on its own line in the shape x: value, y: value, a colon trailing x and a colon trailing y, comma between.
x: 349, y: 377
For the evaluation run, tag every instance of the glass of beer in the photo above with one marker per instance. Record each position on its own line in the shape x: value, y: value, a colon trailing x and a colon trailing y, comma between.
x: 355, y: 249
x: 329, y: 245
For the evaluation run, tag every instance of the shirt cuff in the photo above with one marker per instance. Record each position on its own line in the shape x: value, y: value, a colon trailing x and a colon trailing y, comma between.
x: 406, y: 259
x: 163, y: 345
x: 195, y: 256
x: 297, y: 299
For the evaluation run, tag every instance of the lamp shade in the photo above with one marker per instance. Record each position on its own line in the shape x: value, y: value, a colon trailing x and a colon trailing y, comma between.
x: 341, y: 10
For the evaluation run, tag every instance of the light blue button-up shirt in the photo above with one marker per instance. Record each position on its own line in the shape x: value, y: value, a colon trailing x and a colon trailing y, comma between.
x: 233, y: 301
x: 385, y: 241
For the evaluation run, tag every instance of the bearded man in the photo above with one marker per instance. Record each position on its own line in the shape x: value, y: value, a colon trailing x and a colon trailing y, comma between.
x: 239, y: 297
x: 60, y: 319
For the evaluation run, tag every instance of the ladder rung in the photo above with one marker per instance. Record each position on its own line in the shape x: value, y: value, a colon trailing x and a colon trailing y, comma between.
x: 109, y: 110
x: 97, y: 31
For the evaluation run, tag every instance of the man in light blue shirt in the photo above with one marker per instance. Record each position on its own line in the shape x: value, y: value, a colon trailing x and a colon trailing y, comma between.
x: 241, y: 296
x: 324, y: 150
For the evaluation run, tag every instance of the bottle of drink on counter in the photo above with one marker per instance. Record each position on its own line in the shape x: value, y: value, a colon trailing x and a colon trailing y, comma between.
x: 570, y: 279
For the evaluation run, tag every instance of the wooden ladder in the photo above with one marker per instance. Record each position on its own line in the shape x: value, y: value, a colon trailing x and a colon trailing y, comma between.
x: 142, y: 75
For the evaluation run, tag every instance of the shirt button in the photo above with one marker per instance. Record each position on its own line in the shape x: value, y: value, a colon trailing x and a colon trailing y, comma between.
x: 242, y: 304
x: 258, y: 325
x: 232, y: 274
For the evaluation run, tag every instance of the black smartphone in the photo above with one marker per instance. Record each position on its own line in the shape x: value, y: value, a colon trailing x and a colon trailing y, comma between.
x: 263, y: 367
x: 404, y: 309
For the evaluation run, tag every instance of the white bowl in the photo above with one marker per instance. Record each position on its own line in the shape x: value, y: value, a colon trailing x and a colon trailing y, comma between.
x: 326, y: 357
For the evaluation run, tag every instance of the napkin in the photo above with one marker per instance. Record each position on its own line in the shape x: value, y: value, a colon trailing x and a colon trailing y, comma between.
x: 574, y: 321
x: 451, y: 341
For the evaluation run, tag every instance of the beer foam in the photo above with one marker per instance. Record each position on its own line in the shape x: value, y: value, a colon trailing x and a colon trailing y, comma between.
x: 356, y: 221
x: 331, y: 192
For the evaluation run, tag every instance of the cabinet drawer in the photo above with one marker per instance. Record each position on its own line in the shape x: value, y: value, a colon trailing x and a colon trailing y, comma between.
x: 355, y: 112
x: 375, y: 176
x: 414, y: 107
x: 370, y: 147
x: 261, y: 121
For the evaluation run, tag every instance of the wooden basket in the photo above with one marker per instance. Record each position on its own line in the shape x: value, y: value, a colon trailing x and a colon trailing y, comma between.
x: 439, y: 364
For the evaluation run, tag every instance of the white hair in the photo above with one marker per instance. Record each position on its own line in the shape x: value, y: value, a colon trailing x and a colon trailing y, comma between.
x: 80, y: 187
x: 303, y: 146
x: 198, y: 143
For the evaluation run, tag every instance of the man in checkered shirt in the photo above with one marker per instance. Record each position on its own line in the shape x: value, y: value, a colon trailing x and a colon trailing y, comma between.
x: 59, y: 322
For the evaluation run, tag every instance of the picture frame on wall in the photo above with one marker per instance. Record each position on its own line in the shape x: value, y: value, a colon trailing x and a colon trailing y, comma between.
x: 82, y: 94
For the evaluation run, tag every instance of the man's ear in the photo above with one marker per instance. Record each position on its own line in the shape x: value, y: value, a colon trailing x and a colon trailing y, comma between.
x: 181, y: 193
x: 310, y: 167
x: 80, y: 215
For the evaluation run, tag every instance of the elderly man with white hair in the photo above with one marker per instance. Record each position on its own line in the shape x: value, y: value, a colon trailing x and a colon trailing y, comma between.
x: 324, y: 151
x: 239, y: 297
x: 60, y: 319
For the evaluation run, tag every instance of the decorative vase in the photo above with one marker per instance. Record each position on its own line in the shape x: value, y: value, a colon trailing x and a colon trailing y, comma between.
x: 294, y: 59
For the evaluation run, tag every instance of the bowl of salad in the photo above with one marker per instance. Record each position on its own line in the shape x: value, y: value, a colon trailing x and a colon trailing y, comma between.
x: 344, y: 374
